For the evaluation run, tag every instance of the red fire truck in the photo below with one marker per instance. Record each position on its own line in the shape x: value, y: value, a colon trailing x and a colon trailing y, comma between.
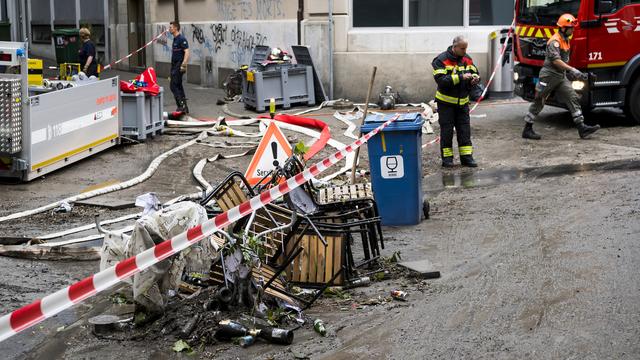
x: 606, y: 43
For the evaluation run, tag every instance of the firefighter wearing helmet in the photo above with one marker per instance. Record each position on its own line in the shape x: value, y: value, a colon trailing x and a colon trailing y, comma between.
x: 555, y: 76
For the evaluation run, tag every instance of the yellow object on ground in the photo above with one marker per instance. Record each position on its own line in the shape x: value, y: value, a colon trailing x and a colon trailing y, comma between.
x: 67, y: 70
x: 35, y: 75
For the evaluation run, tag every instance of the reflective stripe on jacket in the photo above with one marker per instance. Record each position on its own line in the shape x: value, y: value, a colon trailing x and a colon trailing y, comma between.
x: 447, y: 71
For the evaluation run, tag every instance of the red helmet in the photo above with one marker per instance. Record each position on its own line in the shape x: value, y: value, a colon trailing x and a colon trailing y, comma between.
x: 567, y: 20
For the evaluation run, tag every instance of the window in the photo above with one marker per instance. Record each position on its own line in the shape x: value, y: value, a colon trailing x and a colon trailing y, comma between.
x: 64, y: 12
x: 377, y: 13
x: 409, y: 13
x: 545, y: 12
x: 615, y: 5
x: 41, y: 33
x: 436, y: 12
x: 3, y: 11
x: 97, y: 31
x: 490, y: 12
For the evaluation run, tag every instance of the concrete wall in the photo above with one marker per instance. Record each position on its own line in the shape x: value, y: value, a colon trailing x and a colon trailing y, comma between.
x: 216, y: 46
x: 222, y: 33
x: 224, y: 10
x: 403, y: 59
x: 403, y: 55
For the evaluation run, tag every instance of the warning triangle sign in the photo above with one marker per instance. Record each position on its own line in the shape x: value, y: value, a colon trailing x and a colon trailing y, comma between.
x: 273, y: 150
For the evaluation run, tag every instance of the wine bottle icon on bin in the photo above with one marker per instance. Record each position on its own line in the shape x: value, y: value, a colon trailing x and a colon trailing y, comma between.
x: 392, y: 164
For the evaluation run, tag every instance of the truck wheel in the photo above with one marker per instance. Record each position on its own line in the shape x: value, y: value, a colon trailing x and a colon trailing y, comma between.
x: 632, y: 105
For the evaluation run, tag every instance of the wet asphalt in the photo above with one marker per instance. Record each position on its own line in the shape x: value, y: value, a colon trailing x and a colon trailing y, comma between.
x: 538, y: 249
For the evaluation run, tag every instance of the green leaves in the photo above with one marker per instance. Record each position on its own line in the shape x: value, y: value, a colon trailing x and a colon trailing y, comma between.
x: 300, y: 148
x: 181, y: 346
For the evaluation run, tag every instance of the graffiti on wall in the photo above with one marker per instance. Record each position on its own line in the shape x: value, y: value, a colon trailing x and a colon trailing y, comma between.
x: 231, y: 10
x: 228, y: 44
x: 219, y: 35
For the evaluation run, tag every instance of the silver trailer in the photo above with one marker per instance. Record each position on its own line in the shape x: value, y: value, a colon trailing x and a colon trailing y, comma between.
x: 41, y: 130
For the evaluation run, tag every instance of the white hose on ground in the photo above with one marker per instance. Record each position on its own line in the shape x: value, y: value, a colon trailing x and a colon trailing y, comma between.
x: 347, y: 120
x: 124, y: 230
x: 153, y: 167
x: 199, y: 167
x: 197, y: 174
x: 87, y: 227
x: 129, y: 183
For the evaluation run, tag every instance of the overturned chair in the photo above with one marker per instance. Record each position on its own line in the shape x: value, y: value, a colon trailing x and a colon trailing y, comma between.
x: 285, y: 237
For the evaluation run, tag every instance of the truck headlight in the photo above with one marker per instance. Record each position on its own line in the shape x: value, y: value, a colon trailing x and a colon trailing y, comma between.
x: 516, y: 76
x: 577, y: 85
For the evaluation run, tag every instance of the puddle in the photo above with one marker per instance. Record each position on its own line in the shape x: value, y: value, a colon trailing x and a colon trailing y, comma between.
x: 467, y: 178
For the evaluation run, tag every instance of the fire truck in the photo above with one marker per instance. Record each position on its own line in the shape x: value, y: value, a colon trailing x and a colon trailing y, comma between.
x: 605, y: 44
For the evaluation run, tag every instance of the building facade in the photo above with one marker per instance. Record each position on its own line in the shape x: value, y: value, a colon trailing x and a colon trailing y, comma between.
x: 36, y: 20
x: 400, y: 37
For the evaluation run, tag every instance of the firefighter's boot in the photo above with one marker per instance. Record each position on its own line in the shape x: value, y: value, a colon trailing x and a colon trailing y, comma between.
x: 585, y: 130
x: 447, y: 162
x: 178, y: 104
x: 528, y: 132
x: 468, y: 161
x: 185, y: 108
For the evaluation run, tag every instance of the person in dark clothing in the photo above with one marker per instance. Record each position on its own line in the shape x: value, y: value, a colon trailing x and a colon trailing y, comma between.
x: 455, y: 75
x: 179, y: 61
x: 87, y: 54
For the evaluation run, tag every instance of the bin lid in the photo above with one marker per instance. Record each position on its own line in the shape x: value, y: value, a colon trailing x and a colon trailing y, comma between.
x: 406, y: 122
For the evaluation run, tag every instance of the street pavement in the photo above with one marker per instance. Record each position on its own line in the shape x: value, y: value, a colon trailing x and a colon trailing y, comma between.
x: 537, y: 247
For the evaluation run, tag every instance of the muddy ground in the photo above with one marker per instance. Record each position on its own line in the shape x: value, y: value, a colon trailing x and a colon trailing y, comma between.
x: 538, y: 250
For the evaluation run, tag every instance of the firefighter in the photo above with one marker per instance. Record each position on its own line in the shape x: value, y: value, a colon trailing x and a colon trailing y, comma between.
x: 554, y: 76
x: 455, y: 75
x: 179, y: 61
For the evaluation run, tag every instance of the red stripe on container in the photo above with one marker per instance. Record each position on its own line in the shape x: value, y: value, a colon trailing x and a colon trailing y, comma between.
x: 81, y: 290
x: 339, y: 155
x: 326, y: 162
x: 194, y: 233
x: 126, y: 267
x: 26, y: 316
x: 163, y: 250
x: 348, y: 148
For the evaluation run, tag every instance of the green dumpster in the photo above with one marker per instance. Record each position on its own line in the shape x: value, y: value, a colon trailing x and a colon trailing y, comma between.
x: 5, y: 31
x: 67, y: 43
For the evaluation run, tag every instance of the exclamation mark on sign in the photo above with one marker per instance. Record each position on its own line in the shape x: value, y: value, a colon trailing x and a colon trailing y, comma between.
x: 274, y: 150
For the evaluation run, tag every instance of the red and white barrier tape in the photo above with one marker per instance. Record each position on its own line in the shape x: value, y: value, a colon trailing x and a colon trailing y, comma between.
x: 436, y: 140
x: 137, y: 51
x: 495, y: 69
x: 51, y: 305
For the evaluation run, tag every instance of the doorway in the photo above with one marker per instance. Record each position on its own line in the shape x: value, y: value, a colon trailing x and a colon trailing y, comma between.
x: 136, y: 21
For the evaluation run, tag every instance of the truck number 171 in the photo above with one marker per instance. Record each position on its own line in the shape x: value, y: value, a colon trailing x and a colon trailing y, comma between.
x: 597, y: 55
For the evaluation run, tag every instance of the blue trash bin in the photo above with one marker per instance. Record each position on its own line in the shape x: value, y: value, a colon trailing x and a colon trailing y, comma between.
x: 395, y: 160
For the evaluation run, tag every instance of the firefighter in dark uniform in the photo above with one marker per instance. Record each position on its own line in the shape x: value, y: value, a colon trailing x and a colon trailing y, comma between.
x: 179, y: 61
x: 455, y: 75
x: 554, y: 77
